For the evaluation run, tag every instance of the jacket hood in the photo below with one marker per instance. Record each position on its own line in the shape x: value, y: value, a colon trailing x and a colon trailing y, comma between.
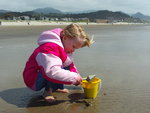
x: 50, y: 36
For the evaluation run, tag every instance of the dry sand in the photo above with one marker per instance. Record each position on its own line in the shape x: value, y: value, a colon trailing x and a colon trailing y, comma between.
x: 45, y: 23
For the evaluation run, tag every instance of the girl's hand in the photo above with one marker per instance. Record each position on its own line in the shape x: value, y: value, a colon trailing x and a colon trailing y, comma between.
x: 78, y: 81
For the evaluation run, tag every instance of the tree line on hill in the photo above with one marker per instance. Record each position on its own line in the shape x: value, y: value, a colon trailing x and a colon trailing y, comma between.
x: 92, y: 16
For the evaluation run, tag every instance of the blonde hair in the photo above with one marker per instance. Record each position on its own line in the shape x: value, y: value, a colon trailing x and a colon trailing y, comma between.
x: 75, y: 31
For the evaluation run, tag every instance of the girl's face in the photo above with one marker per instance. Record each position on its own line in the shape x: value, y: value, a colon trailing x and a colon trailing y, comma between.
x: 70, y: 45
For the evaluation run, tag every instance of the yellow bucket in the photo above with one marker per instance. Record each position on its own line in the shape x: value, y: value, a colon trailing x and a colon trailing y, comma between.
x: 91, y: 88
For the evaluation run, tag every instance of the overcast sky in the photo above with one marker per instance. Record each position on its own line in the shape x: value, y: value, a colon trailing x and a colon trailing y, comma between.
x: 127, y: 6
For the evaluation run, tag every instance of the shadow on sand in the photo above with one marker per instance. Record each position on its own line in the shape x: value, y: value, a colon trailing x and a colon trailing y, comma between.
x: 24, y: 97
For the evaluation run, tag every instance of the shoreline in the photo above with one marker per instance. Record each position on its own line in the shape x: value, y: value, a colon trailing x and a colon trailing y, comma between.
x: 39, y: 23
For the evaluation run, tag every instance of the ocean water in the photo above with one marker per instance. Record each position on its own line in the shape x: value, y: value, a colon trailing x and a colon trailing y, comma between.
x: 119, y: 56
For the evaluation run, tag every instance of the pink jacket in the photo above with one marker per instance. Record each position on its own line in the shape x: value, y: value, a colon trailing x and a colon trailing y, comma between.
x: 50, y: 58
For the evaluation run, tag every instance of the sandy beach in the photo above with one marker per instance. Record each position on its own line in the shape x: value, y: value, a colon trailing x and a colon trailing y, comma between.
x: 38, y: 23
x: 120, y: 57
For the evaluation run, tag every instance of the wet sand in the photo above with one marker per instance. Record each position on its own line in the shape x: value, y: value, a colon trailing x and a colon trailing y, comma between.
x: 120, y: 57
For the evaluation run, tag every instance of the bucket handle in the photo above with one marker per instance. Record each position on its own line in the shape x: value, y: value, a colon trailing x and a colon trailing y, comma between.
x: 100, y: 84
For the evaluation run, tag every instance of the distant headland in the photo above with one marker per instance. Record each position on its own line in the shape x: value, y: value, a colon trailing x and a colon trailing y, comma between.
x: 50, y: 15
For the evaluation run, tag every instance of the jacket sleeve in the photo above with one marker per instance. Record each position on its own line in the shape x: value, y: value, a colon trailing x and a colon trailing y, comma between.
x: 71, y: 66
x: 51, y: 67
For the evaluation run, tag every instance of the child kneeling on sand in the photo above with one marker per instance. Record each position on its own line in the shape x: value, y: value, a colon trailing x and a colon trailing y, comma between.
x: 51, y: 65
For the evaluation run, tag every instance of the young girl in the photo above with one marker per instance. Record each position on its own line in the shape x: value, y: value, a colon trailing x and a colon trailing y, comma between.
x: 51, y: 64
